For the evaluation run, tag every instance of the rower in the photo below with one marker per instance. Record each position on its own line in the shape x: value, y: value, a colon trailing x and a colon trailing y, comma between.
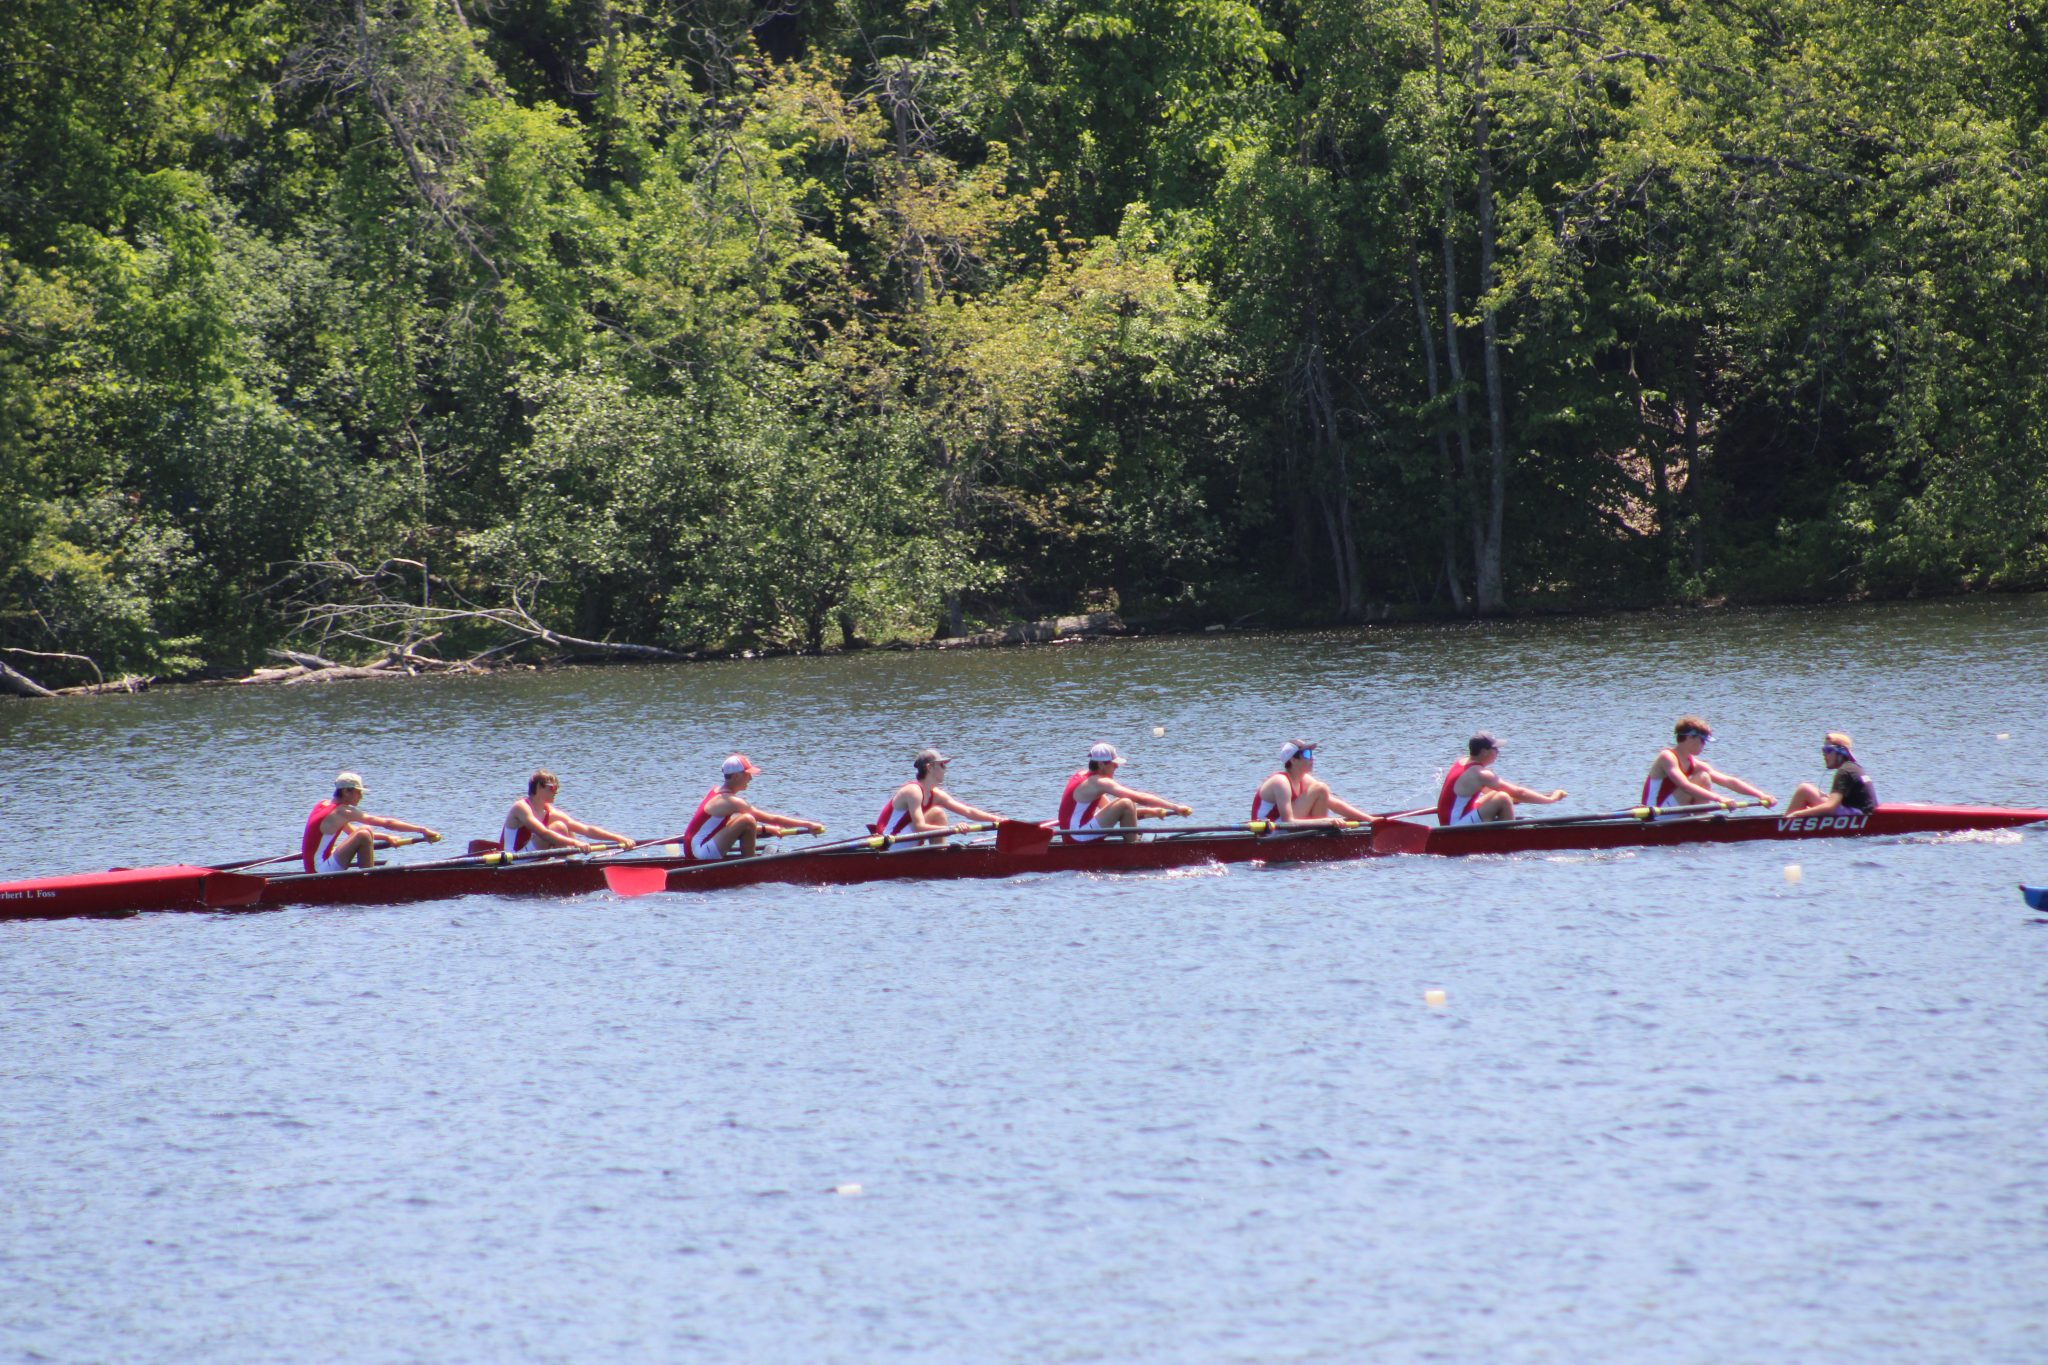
x: 536, y: 823
x: 1474, y: 794
x: 725, y: 818
x: 1296, y: 796
x: 1681, y: 777
x: 916, y: 806
x: 1853, y: 793
x: 340, y: 834
x: 1095, y: 802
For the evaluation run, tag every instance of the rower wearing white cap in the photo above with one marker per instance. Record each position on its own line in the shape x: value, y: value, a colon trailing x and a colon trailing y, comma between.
x: 1097, y: 803
x: 917, y: 806
x: 725, y: 818
x: 340, y: 834
x: 1296, y: 796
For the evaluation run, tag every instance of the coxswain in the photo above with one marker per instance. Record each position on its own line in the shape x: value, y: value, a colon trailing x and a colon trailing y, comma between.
x: 919, y: 806
x: 1681, y: 777
x: 725, y: 817
x: 340, y: 834
x: 1095, y: 804
x: 1296, y: 796
x: 537, y: 823
x: 1474, y: 794
x: 1852, y: 793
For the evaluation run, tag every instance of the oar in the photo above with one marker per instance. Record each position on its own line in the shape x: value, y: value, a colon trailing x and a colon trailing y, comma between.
x: 645, y: 881
x: 227, y: 890
x: 248, y: 863
x: 1025, y: 837
x: 1647, y: 814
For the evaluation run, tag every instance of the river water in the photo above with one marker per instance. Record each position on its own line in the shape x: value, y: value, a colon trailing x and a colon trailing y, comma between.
x: 1675, y: 1107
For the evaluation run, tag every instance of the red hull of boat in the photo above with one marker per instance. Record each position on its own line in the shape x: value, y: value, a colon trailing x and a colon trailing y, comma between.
x: 982, y: 861
x: 1400, y: 836
x: 122, y: 891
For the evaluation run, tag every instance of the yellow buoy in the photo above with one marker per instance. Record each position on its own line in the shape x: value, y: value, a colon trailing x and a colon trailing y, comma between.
x: 1434, y: 999
x: 1159, y: 732
x: 849, y: 1191
x: 1794, y: 874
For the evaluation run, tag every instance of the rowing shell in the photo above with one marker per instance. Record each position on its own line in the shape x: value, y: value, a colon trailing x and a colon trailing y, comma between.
x: 949, y: 862
x: 125, y: 891
x: 1536, y: 836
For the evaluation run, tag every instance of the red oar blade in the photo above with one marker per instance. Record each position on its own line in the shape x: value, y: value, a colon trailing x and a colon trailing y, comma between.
x: 1022, y: 836
x: 227, y: 890
x: 479, y: 847
x: 636, y: 881
x: 1399, y: 836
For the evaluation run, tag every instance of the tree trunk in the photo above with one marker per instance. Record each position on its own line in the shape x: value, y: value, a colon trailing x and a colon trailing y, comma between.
x: 21, y: 684
x: 1447, y: 488
x: 1453, y: 357
x: 1492, y: 596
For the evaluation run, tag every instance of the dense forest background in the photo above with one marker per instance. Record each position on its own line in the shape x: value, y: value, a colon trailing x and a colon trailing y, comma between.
x: 693, y: 323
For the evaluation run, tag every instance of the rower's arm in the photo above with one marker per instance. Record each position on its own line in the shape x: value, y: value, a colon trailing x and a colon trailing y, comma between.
x: 1132, y: 794
x: 1668, y: 770
x: 1736, y: 784
x: 775, y: 820
x: 954, y: 804
x: 590, y: 831
x: 402, y: 826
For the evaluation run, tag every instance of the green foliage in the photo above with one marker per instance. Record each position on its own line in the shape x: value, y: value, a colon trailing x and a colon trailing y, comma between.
x: 694, y: 329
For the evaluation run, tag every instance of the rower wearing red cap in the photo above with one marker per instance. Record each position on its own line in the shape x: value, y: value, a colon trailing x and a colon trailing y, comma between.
x: 1474, y: 794
x: 1296, y: 796
x: 536, y: 823
x: 1096, y: 805
x: 918, y: 806
x: 1680, y: 776
x: 340, y: 834
x: 725, y: 818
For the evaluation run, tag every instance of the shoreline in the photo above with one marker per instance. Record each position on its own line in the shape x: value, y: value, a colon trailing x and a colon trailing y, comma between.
x: 298, y: 669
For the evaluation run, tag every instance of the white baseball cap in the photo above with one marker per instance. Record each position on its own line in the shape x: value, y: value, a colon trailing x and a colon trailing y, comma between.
x: 1297, y: 748
x: 1104, y: 753
x: 737, y: 763
x: 347, y: 782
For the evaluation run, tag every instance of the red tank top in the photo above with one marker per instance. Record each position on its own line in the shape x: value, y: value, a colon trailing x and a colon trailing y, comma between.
x: 309, y: 846
x: 521, y: 835
x: 1258, y: 801
x: 1448, y: 797
x: 1665, y: 786
x: 1068, y: 819
x: 893, y: 821
x: 703, y: 813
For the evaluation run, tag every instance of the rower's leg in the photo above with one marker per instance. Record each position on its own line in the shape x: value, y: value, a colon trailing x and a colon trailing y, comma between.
x: 1495, y: 806
x: 1806, y: 795
x: 1315, y: 800
x: 358, y: 850
x: 1122, y: 814
x: 742, y: 830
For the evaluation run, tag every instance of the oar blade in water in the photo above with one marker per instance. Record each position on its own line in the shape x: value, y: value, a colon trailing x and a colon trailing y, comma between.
x: 636, y: 881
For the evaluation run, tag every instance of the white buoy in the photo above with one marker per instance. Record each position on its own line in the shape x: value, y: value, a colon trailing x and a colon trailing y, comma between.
x: 1159, y: 732
x: 850, y: 1191
x: 1433, y: 998
x: 1794, y: 874
x: 2002, y: 736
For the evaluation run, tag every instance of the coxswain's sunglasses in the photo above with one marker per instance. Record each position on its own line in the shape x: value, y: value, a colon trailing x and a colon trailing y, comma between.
x: 1835, y: 749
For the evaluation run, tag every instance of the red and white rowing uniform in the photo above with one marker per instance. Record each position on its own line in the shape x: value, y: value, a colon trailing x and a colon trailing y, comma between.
x: 316, y: 850
x: 1071, y: 818
x: 700, y: 835
x: 893, y: 820
x: 517, y: 838
x: 1262, y: 809
x: 1453, y: 809
x: 1668, y: 792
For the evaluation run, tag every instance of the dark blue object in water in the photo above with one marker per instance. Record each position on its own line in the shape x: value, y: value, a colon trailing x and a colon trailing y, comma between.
x: 2037, y: 896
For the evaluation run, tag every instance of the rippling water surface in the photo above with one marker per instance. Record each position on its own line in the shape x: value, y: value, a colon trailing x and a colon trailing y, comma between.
x: 1675, y: 1108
